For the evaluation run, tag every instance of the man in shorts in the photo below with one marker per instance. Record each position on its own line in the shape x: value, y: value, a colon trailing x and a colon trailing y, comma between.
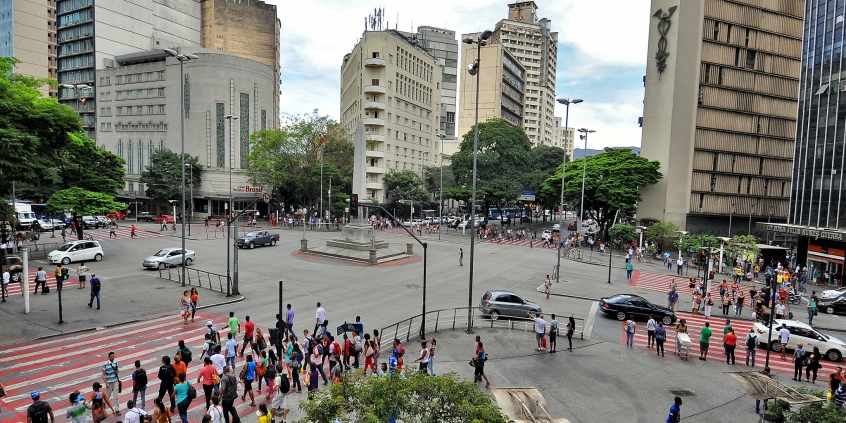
x: 540, y: 329
x: 547, y: 286
x: 280, y: 400
x: 783, y: 337
x: 704, y: 339
x: 481, y: 358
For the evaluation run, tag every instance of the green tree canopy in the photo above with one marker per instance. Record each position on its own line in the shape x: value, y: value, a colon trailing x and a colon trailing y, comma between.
x: 405, y: 185
x: 164, y: 174
x: 285, y: 158
x: 744, y: 245
x: 432, y: 177
x: 504, y: 163
x: 612, y: 179
x: 413, y: 397
x: 546, y: 161
x: 340, y: 187
x: 695, y: 242
x: 624, y: 231
x: 658, y: 232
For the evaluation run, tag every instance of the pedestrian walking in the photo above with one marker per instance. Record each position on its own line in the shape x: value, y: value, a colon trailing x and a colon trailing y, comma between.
x: 166, y: 375
x: 64, y: 234
x: 39, y: 411
x: 730, y: 341
x: 630, y: 328
x: 751, y: 346
x: 812, y: 309
x: 173, y: 227
x: 540, y: 329
x: 248, y: 375
x: 675, y: 411
x: 195, y: 301
x: 629, y: 269
x: 231, y: 350
x: 249, y: 334
x: 650, y: 332
x: 80, y: 274
x: 672, y: 299
x: 99, y: 402
x: 182, y: 399
x: 96, y: 285
x: 132, y: 232
x: 319, y: 317
x: 433, y: 343
x: 660, y: 337
x: 206, y: 377
x: 553, y: 333
x: 112, y: 228
x: 111, y: 377
x: 547, y: 286
x: 679, y: 265
x: 289, y: 320
x: 41, y: 279
x: 461, y: 257
x: 279, y: 403
x: 704, y: 339
x: 139, y: 384
x: 185, y: 306
x: 783, y: 337
x: 78, y: 408
x: 798, y: 361
x: 229, y: 392
x: 481, y: 357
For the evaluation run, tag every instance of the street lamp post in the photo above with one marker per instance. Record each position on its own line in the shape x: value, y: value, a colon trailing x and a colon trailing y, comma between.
x: 182, y: 59
x: 231, y: 119
x: 566, y: 102
x: 584, y: 131
x: 610, y: 246
x: 441, y: 189
x: 78, y: 89
x: 731, y: 214
x: 191, y: 185
x: 473, y: 70
x: 769, y: 215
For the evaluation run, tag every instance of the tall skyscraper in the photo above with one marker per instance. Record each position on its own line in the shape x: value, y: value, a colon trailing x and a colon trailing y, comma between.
x: 816, y: 218
x: 720, y: 112
x: 391, y: 84
x: 563, y: 137
x: 28, y: 32
x: 532, y: 43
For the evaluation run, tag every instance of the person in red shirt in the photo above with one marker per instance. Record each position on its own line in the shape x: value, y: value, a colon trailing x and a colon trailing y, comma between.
x: 207, y: 378
x: 249, y: 335
x: 730, y: 344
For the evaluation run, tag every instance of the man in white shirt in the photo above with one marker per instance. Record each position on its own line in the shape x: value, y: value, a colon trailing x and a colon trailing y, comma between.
x: 540, y: 328
x: 679, y: 264
x: 319, y: 317
x: 650, y: 331
x: 5, y: 285
x: 783, y: 337
x: 135, y: 414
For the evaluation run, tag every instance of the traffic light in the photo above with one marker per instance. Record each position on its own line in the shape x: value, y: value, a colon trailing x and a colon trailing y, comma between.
x: 275, y: 199
x: 353, y: 205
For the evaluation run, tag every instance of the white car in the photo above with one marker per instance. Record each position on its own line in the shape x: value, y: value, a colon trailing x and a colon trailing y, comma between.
x: 76, y: 251
x: 832, y: 348
x: 167, y: 257
x: 832, y: 293
x: 547, y: 234
x: 46, y: 225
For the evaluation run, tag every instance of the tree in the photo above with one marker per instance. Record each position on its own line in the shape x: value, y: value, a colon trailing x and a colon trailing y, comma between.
x: 80, y: 202
x: 341, y: 185
x: 815, y: 412
x: 693, y: 243
x: 164, y: 174
x: 284, y: 158
x: 547, y: 161
x: 744, y: 245
x: 658, y: 232
x: 412, y: 397
x: 504, y: 162
x: 432, y: 178
x: 405, y: 185
x: 624, y: 231
x: 611, y: 182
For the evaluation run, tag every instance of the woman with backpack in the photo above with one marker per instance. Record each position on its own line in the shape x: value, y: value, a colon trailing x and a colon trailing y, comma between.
x: 798, y: 361
x: 270, y: 373
x: 296, y: 365
x: 630, y: 327
x: 813, y: 364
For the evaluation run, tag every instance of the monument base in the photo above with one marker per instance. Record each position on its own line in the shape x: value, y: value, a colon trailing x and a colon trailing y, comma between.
x: 357, y: 242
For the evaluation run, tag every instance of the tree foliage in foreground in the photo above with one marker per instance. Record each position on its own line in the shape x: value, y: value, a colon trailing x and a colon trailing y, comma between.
x: 405, y: 185
x: 815, y: 412
x: 164, y: 175
x: 411, y: 397
x: 658, y: 232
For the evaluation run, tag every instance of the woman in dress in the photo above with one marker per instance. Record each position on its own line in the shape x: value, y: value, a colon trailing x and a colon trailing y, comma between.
x: 185, y: 305
x: 694, y: 305
x: 709, y: 303
x: 571, y: 327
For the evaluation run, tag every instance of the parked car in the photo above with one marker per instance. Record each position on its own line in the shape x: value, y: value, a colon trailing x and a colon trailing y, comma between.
x: 832, y: 348
x: 45, y: 225
x: 506, y: 304
x: 624, y: 306
x: 165, y: 217
x: 116, y: 215
x: 836, y: 305
x: 15, y: 265
x: 556, y: 227
x: 167, y: 257
x: 90, y: 222
x: 253, y: 238
x: 146, y: 217
x: 104, y: 221
x: 547, y: 234
x: 76, y: 251
x: 833, y: 293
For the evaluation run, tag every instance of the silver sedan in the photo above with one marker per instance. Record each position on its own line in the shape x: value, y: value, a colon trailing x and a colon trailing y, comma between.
x: 167, y: 257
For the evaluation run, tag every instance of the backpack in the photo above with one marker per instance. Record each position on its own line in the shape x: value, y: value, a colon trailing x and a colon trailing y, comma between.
x: 630, y: 327
x: 320, y: 349
x: 336, y: 349
x: 284, y: 384
x: 211, y: 347
x: 140, y: 378
x: 213, y: 335
x: 751, y: 342
x: 186, y: 355
x: 262, y: 344
x: 260, y: 369
x: 39, y: 412
x: 95, y: 285
x: 482, y: 356
x: 231, y: 391
x: 270, y: 372
x: 660, y: 333
x: 167, y: 373
x: 347, y: 347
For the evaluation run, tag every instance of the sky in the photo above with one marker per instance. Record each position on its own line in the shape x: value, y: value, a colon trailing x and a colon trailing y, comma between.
x: 601, y: 53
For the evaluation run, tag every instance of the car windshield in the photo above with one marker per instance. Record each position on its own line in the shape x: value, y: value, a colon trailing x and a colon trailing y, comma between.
x: 254, y: 233
x: 66, y: 247
x: 616, y: 299
x: 161, y: 253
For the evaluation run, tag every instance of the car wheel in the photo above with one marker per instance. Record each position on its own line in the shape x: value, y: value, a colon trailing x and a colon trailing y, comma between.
x: 667, y: 320
x: 775, y: 346
x: 98, y: 257
x: 829, y: 310
x: 66, y: 261
x: 833, y: 355
x: 252, y: 245
x: 494, y: 315
x: 621, y: 316
x: 272, y: 242
x: 162, y: 266
x: 188, y: 262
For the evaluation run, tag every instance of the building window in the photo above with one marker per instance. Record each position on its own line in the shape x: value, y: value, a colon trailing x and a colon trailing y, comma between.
x: 139, y: 110
x: 149, y: 110
x: 161, y: 92
x: 220, y: 136
x: 161, y: 109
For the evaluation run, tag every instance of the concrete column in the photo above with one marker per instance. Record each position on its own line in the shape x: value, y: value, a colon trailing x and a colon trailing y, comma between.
x: 372, y: 259
x: 303, y: 245
x: 409, y: 249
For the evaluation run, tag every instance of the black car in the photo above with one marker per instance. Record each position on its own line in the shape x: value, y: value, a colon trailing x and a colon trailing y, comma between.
x: 835, y: 305
x: 623, y: 306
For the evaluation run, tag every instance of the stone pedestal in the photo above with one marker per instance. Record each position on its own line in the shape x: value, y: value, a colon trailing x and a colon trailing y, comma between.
x: 303, y: 245
x: 409, y: 249
x: 373, y: 259
x: 358, y: 242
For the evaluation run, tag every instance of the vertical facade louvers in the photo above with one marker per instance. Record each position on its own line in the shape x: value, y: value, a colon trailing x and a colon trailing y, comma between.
x: 819, y: 161
x: 75, y: 57
x: 745, y: 122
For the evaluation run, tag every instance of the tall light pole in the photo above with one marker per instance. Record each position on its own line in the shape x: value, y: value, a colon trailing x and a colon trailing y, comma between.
x: 441, y: 189
x: 585, y: 133
x: 191, y: 185
x: 78, y: 90
x: 231, y: 119
x: 322, y: 143
x: 731, y: 214
x: 769, y: 215
x: 566, y: 103
x: 182, y: 59
x: 751, y: 212
x: 473, y: 70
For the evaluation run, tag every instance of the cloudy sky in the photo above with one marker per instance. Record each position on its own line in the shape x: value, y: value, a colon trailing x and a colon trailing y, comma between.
x: 601, y: 52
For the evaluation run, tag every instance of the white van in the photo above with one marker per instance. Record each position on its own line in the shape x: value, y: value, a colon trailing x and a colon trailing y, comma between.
x: 25, y: 215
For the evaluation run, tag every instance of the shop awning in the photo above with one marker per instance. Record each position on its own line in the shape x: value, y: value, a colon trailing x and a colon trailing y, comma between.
x: 761, y: 387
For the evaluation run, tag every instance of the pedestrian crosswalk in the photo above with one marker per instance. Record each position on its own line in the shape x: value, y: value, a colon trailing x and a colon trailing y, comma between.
x: 716, y: 351
x: 659, y: 282
x: 123, y: 232
x: 58, y: 366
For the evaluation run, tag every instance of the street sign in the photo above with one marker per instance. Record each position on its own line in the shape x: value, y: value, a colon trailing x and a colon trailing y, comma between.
x: 350, y: 327
x: 527, y: 196
x: 266, y: 198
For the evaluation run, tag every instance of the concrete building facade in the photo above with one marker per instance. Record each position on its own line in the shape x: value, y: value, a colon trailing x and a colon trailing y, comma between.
x: 563, y: 137
x: 139, y: 113
x: 719, y: 112
x: 28, y: 32
x: 393, y: 86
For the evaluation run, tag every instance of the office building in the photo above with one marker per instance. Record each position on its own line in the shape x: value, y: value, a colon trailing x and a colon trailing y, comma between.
x: 28, y: 33
x: 502, y: 85
x: 532, y: 43
x: 720, y: 112
x: 816, y: 218
x: 393, y: 86
x: 563, y: 137
x: 139, y: 112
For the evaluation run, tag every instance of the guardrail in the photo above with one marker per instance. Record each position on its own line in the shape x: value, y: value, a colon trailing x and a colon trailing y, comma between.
x: 40, y: 250
x: 200, y: 278
x: 456, y: 318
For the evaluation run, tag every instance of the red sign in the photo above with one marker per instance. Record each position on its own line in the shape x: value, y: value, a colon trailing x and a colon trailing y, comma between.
x: 248, y: 189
